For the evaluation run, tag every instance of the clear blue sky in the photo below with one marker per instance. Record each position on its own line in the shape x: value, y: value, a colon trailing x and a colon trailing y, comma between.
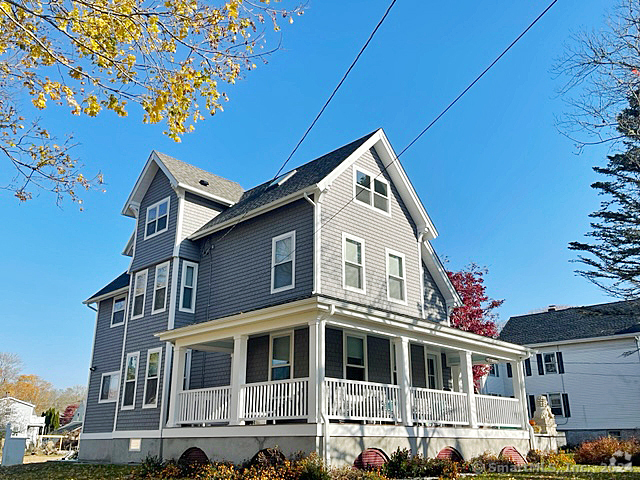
x: 503, y: 187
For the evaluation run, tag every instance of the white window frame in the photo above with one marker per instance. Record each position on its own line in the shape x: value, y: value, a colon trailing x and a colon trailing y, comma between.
x: 272, y: 336
x: 437, y: 375
x: 291, y: 234
x: 346, y: 334
x: 135, y: 380
x: 559, y: 394
x: 554, y: 361
x: 144, y: 272
x: 155, y: 288
x: 388, y: 252
x: 147, y: 222
x: 146, y: 378
x: 185, y: 264
x: 124, y: 310
x: 186, y: 377
x: 345, y: 237
x: 109, y: 400
x: 373, y: 177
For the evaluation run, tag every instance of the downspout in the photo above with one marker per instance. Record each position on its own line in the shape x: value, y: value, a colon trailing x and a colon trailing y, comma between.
x: 317, y: 239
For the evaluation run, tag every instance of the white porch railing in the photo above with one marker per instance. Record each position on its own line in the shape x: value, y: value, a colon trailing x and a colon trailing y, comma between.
x: 354, y: 400
x: 498, y: 411
x: 205, y: 405
x: 439, y: 406
x: 279, y: 400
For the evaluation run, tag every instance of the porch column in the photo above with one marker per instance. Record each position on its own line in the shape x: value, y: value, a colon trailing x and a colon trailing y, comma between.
x: 177, y: 372
x: 238, y: 378
x: 466, y: 371
x: 404, y: 379
x: 455, y: 378
x: 519, y: 391
x: 316, y: 370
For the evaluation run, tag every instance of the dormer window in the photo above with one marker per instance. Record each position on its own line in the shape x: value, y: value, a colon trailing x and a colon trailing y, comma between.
x: 157, y: 218
x: 376, y: 197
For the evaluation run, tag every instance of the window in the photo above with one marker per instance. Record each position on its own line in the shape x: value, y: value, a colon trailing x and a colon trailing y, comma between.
x: 378, y: 198
x: 509, y: 370
x: 151, y: 378
x: 283, y: 269
x: 432, y: 378
x: 157, y: 218
x: 160, y: 283
x: 353, y: 261
x: 394, y: 366
x: 188, y: 292
x: 139, y: 294
x: 281, y: 357
x: 396, y: 286
x: 117, y: 312
x: 130, y: 381
x: 550, y: 365
x: 109, y: 385
x: 355, y: 358
x: 186, y: 377
x: 555, y: 402
x: 493, y: 370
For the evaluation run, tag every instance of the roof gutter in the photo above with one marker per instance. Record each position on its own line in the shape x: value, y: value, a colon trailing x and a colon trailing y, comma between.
x: 603, y: 338
x: 106, y: 295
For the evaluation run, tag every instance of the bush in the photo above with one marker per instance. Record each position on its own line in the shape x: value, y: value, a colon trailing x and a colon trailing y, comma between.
x: 402, y: 464
x: 602, y: 450
x: 313, y: 468
x: 351, y: 473
x: 550, y: 459
x: 488, y: 462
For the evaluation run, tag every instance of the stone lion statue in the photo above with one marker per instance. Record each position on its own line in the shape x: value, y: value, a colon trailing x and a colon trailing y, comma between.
x: 543, y: 417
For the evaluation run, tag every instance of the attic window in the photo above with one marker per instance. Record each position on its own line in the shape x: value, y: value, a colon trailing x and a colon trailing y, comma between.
x: 376, y: 195
x: 157, y: 218
x: 280, y: 179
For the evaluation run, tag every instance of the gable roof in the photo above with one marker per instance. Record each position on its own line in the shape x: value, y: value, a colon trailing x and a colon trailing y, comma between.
x: 118, y: 283
x: 606, y: 319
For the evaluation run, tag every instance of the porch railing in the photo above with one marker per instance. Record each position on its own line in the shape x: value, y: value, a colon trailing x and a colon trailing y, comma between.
x: 279, y: 400
x: 498, y: 411
x: 205, y: 405
x: 439, y: 406
x: 354, y: 400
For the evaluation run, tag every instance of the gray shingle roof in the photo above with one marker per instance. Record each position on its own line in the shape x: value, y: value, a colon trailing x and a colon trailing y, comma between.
x: 572, y: 323
x: 305, y: 176
x: 191, y: 176
x: 120, y: 282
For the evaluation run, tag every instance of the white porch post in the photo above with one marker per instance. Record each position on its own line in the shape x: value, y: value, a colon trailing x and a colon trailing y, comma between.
x: 466, y: 370
x: 316, y: 370
x: 519, y: 391
x: 404, y: 379
x: 238, y: 378
x: 177, y: 372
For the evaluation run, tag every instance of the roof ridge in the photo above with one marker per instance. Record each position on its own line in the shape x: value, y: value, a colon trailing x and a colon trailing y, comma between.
x: 161, y: 154
x: 573, y: 308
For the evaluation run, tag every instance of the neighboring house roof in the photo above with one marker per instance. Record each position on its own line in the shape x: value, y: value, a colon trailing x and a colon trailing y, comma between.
x: 14, y: 399
x: 606, y: 319
x: 117, y: 284
x: 69, y: 427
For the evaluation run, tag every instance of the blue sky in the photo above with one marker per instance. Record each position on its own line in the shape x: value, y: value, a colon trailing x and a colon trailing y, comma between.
x: 503, y: 187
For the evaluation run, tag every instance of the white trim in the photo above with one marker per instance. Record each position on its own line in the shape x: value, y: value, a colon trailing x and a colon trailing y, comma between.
x: 124, y: 310
x: 373, y: 178
x: 439, y: 275
x: 135, y: 385
x: 247, y: 431
x: 104, y: 296
x: 144, y: 272
x: 345, y: 237
x: 221, y: 200
x: 155, y: 288
x: 185, y: 264
x: 146, y: 378
x: 387, y: 252
x: 146, y: 217
x: 93, y: 349
x: 186, y: 375
x: 272, y: 336
x: 96, y: 436
x: 122, y: 349
x: 622, y: 336
x: 179, y: 222
x: 127, y: 251
x: 274, y: 240
x: 363, y: 337
x: 117, y: 389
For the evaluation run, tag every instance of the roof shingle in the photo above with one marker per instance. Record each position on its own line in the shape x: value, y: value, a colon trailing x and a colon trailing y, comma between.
x: 116, y: 284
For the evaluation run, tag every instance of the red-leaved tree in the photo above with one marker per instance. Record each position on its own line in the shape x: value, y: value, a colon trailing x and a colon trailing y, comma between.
x: 68, y: 413
x: 477, y: 314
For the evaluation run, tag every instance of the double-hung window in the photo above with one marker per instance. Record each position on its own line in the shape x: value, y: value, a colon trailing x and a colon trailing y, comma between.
x: 109, y: 385
x: 371, y: 191
x: 283, y: 259
x: 396, y: 284
x: 550, y: 365
x: 154, y: 358
x: 188, y: 292
x: 157, y: 220
x: 353, y: 263
x: 355, y: 364
x: 117, y: 311
x: 130, y: 381
x: 493, y: 370
x: 160, y: 284
x: 139, y: 293
x: 432, y: 372
x: 281, y: 357
x: 555, y: 402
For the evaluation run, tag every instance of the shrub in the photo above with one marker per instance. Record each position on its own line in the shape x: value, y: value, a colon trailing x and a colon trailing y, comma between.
x: 312, y: 468
x: 550, y: 459
x: 402, y: 464
x: 488, y: 462
x: 600, y: 451
x: 351, y: 473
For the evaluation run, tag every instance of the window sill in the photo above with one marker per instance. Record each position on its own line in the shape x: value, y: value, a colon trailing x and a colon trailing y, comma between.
x: 147, y: 237
x: 282, y: 289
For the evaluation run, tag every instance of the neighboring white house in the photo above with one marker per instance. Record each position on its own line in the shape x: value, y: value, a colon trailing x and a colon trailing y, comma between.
x: 587, y: 363
x: 24, y: 422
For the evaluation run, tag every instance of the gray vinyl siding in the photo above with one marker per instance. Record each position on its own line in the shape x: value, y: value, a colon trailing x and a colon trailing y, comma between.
x: 378, y: 359
x: 235, y: 275
x: 447, y: 381
x: 107, y: 351
x: 418, y: 369
x: 196, y: 212
x: 258, y: 359
x: 182, y: 319
x: 153, y: 249
x: 301, y: 352
x: 209, y: 369
x: 140, y: 338
x: 435, y: 306
x: 334, y: 362
x: 379, y: 231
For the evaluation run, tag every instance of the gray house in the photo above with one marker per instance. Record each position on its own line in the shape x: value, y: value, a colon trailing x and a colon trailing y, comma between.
x: 310, y: 312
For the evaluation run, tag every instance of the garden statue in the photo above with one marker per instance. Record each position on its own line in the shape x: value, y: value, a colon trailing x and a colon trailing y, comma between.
x: 543, y: 416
